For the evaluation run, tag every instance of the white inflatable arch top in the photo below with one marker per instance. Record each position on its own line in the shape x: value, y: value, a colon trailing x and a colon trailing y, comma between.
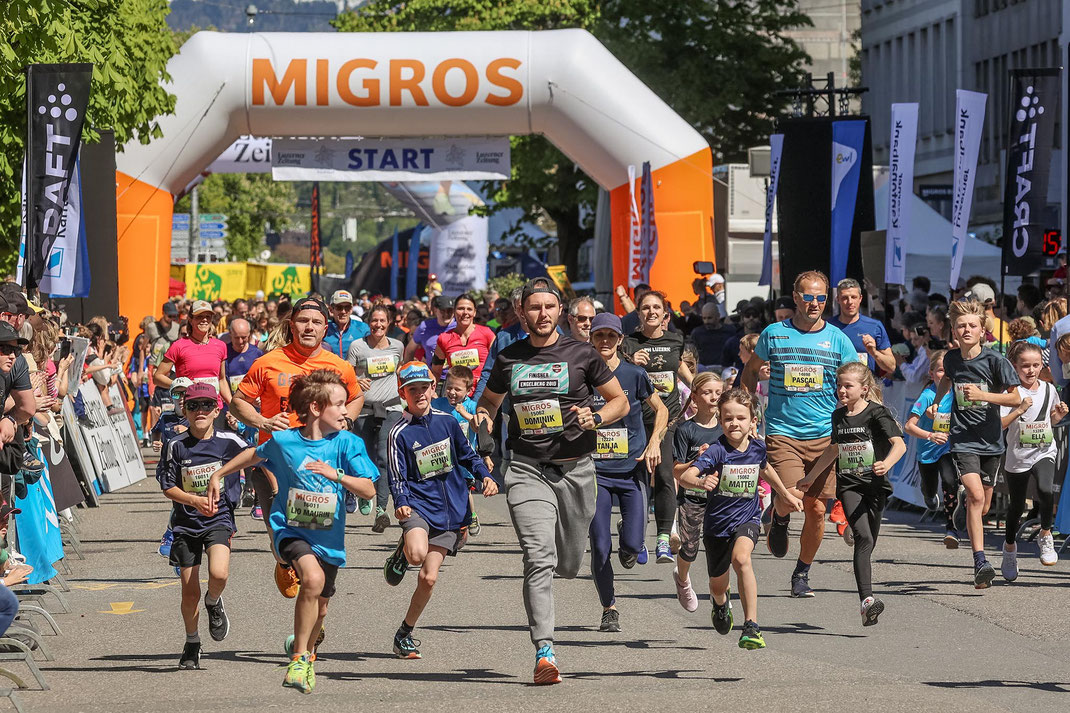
x: 563, y: 84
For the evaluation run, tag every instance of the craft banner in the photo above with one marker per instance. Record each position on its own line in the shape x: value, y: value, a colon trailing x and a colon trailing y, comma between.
x: 776, y: 151
x: 1034, y: 104
x: 969, y: 123
x: 67, y: 269
x: 847, y: 138
x: 458, y: 255
x: 900, y: 191
x: 411, y: 159
x: 56, y: 99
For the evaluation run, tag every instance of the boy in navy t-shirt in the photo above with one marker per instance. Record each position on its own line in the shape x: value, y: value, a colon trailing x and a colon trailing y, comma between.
x: 314, y: 465
x: 171, y: 423
x: 192, y: 457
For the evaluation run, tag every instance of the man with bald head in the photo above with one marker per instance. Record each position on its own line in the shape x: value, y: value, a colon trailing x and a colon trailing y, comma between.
x: 240, y: 353
x: 710, y: 338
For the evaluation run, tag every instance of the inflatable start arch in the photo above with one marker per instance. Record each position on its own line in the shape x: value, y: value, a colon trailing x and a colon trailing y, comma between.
x: 563, y: 84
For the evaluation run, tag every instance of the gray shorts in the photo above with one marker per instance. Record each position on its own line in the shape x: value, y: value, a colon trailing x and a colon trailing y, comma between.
x: 689, y: 518
x: 449, y: 540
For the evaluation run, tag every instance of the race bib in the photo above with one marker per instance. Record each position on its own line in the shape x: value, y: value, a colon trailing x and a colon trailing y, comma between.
x: 435, y: 459
x: 465, y: 357
x: 311, y: 510
x: 1035, y: 434
x: 804, y: 377
x: 539, y: 417
x: 234, y: 381
x: 381, y: 365
x: 532, y: 379
x: 942, y: 423
x: 738, y: 480
x: 195, y: 477
x: 855, y: 457
x: 664, y: 381
x: 465, y: 427
x: 611, y: 444
x: 965, y: 403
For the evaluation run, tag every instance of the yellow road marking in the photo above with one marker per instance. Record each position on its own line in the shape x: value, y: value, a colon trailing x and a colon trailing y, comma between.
x: 121, y: 608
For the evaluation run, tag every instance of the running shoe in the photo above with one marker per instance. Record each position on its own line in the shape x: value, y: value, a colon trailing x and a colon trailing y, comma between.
x: 983, y: 576
x: 405, y: 647
x: 473, y: 526
x: 837, y: 516
x: 674, y: 539
x: 848, y: 535
x: 951, y: 540
x: 777, y: 541
x: 1048, y: 555
x: 751, y: 638
x: 165, y: 543
x: 643, y: 555
x: 365, y: 506
x: 685, y: 594
x: 800, y: 586
x: 288, y: 647
x: 218, y: 621
x: 382, y: 520
x: 256, y: 513
x: 627, y: 559
x: 1009, y: 566
x: 871, y: 609
x: 767, y: 519
x: 610, y: 621
x: 351, y: 502
x: 310, y: 675
x: 191, y: 657
x: 178, y: 571
x: 396, y: 565
x: 664, y: 553
x: 297, y: 673
x: 546, y: 671
x: 286, y: 580
x: 722, y: 613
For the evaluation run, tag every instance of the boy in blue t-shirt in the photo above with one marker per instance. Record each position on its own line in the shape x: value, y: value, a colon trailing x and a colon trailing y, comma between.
x: 314, y: 465
x: 191, y: 458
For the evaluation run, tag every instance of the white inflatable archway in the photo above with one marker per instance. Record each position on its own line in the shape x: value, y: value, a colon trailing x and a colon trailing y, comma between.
x: 563, y: 84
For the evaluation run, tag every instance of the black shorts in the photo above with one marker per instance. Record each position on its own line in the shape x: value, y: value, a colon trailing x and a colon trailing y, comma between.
x: 986, y: 465
x: 294, y: 548
x: 186, y: 550
x: 449, y: 540
x: 719, y: 549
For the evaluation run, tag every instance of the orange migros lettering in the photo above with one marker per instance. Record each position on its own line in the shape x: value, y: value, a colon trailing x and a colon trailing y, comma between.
x: 322, y: 78
x: 513, y: 85
x: 411, y: 83
x: 371, y: 85
x: 296, y: 76
x: 471, y: 82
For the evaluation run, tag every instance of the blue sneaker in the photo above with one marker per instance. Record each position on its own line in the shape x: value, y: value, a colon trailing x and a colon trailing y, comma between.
x: 178, y: 572
x: 664, y: 552
x: 165, y: 543
x: 643, y: 555
x: 546, y: 671
x: 351, y: 502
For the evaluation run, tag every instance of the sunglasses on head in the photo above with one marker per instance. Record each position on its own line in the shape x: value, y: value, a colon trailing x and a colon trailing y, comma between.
x: 9, y: 349
x: 810, y: 298
x: 201, y: 405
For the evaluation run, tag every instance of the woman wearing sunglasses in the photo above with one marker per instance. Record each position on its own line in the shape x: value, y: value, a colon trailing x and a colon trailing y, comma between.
x: 199, y: 357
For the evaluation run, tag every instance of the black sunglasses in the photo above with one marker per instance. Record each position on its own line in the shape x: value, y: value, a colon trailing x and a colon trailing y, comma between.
x: 201, y: 405
x: 9, y: 349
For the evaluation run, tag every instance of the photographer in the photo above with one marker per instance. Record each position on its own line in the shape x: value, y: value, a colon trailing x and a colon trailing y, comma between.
x: 916, y: 371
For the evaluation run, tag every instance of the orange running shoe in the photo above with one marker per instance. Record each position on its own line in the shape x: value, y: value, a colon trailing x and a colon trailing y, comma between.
x: 546, y: 671
x: 838, y: 518
x: 286, y: 580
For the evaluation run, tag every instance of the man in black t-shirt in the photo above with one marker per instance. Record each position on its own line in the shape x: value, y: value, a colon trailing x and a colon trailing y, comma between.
x: 551, y: 380
x: 14, y: 382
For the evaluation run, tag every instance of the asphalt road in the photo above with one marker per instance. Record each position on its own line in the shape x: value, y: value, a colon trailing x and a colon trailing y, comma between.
x: 939, y: 644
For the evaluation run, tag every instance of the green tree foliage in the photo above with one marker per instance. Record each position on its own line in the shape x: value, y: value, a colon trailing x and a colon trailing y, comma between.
x: 129, y: 45
x: 250, y: 201
x: 716, y: 62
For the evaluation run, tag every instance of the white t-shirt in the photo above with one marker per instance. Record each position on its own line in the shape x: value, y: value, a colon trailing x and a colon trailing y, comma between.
x: 1032, y: 427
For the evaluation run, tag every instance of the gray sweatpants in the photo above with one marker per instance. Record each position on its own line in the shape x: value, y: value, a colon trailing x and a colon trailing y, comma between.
x: 552, y: 505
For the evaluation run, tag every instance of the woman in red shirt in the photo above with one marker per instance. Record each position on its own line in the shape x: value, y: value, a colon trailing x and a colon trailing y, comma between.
x: 467, y: 344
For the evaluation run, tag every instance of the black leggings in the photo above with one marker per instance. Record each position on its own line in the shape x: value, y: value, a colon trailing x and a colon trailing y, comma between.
x: 664, y: 484
x: 942, y: 472
x: 1018, y: 484
x: 864, y: 511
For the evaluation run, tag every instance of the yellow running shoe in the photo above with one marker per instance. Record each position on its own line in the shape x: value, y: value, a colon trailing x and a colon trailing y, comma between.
x: 297, y: 674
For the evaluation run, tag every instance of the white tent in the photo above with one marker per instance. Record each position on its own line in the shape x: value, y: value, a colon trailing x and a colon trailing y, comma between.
x: 929, y: 246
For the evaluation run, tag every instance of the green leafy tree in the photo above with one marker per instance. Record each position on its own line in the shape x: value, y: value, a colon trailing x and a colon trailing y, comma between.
x: 250, y: 201
x: 129, y: 45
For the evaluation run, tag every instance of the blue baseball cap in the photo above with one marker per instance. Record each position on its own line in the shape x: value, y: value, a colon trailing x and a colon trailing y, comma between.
x: 607, y: 320
x: 414, y: 372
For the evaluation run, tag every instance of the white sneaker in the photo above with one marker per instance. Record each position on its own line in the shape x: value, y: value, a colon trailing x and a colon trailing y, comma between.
x: 674, y: 539
x: 684, y: 593
x: 1009, y: 567
x: 871, y: 609
x: 1048, y: 555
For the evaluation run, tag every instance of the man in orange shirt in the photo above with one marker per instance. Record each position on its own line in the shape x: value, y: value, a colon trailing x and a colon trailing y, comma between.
x: 269, y: 380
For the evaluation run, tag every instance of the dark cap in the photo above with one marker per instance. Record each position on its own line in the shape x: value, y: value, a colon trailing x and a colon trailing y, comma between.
x: 170, y: 308
x: 607, y: 320
x: 13, y: 300
x: 784, y: 302
x: 442, y: 302
x: 309, y: 303
x: 10, y: 334
x: 539, y: 285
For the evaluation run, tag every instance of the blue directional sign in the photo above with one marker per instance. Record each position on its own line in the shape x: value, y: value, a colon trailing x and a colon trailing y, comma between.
x: 212, y: 226
x: 213, y: 234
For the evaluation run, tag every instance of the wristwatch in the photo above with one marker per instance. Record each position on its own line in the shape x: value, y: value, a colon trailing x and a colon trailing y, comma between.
x: 597, y: 418
x: 11, y: 418
x: 340, y: 473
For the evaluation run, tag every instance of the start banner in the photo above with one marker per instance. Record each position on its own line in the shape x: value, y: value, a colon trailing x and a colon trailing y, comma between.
x: 412, y: 159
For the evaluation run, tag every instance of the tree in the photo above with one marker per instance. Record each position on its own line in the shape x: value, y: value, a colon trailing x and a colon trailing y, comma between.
x: 249, y: 200
x: 129, y: 45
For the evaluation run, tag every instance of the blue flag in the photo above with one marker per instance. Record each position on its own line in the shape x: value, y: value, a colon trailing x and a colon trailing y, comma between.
x: 847, y: 139
x: 394, y: 267
x: 349, y: 263
x: 39, y: 537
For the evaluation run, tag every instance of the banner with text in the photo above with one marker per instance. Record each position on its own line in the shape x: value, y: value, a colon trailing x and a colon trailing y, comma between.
x: 969, y: 123
x: 847, y: 139
x: 458, y: 255
x: 776, y: 151
x: 635, y: 223
x: 1034, y: 103
x: 413, y: 159
x: 900, y: 191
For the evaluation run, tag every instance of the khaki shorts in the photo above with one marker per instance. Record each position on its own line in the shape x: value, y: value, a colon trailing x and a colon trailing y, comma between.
x: 792, y: 459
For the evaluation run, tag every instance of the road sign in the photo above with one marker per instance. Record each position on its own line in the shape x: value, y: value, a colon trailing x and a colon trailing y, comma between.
x: 180, y: 218
x: 219, y: 234
x: 213, y: 217
x: 212, y: 226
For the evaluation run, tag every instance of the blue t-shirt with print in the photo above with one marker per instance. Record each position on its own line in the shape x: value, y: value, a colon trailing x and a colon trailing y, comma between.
x: 469, y: 405
x: 620, y: 443
x: 802, y: 378
x: 929, y: 452
x: 309, y: 506
x: 854, y: 332
x: 734, y: 502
